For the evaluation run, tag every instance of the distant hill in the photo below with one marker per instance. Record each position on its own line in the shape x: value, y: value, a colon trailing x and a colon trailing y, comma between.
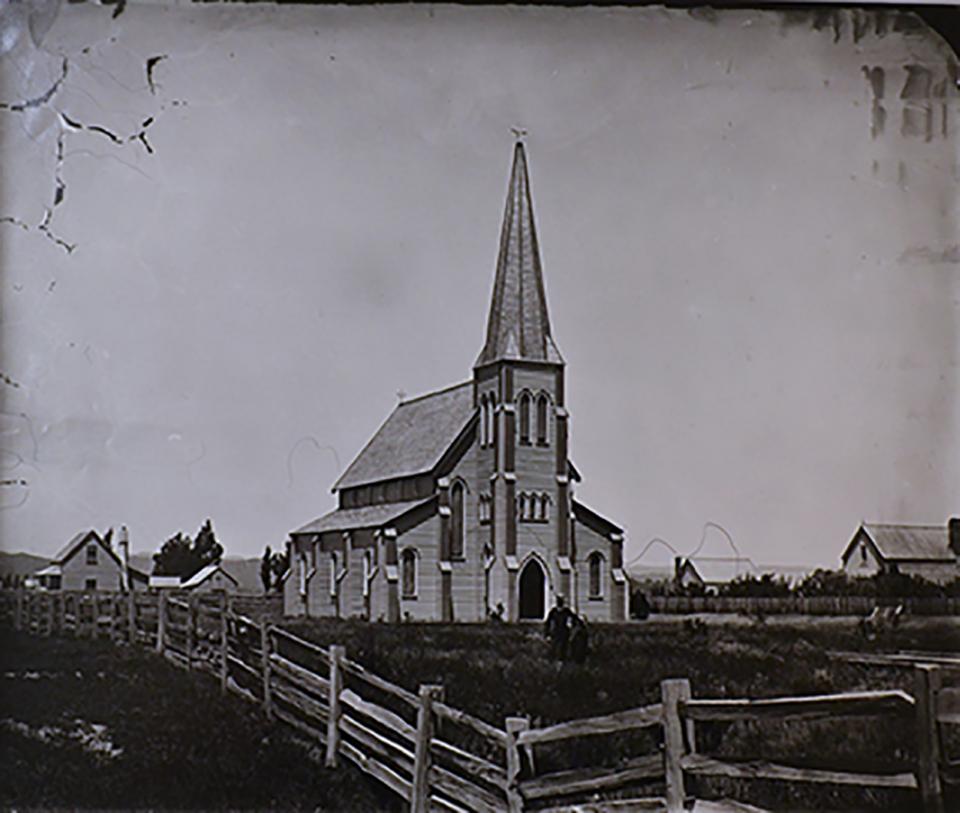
x: 20, y: 564
x: 639, y: 573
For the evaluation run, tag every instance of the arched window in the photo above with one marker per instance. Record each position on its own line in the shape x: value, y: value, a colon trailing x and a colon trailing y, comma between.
x: 491, y: 417
x: 533, y: 507
x: 544, y: 507
x: 522, y: 506
x: 484, y: 408
x: 525, y: 419
x: 595, y: 564
x: 483, y: 507
x: 408, y: 573
x: 367, y: 570
x: 457, y: 524
x: 333, y: 572
x: 543, y: 404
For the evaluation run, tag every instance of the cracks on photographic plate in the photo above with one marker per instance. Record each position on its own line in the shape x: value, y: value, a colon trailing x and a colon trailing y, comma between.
x: 30, y: 104
x: 152, y: 63
x: 59, y: 194
x: 69, y: 125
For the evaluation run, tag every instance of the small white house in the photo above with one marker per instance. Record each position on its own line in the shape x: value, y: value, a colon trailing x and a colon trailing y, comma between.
x: 206, y: 580
x: 209, y: 579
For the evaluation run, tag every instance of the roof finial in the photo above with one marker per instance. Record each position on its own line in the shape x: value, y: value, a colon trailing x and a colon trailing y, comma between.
x: 519, y: 133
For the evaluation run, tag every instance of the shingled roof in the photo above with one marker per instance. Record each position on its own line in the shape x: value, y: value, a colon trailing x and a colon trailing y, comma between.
x: 929, y: 543
x: 413, y: 438
x: 369, y: 516
x: 519, y: 325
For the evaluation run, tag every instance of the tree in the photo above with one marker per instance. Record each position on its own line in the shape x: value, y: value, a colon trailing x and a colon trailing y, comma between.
x: 182, y: 557
x: 265, y: 569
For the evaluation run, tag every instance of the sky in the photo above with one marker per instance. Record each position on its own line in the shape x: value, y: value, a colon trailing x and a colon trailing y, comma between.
x: 750, y: 250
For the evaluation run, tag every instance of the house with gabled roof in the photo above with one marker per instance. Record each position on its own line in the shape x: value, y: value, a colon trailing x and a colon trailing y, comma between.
x: 210, y: 578
x: 929, y: 551
x: 89, y: 562
x: 462, y: 503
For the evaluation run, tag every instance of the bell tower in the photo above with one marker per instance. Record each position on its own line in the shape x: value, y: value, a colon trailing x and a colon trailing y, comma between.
x: 519, y: 391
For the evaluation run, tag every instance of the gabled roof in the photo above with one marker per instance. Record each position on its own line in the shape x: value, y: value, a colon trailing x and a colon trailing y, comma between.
x: 593, y: 520
x: 928, y: 543
x: 76, y: 541
x: 413, y: 439
x: 370, y: 516
x: 205, y: 573
x: 519, y: 326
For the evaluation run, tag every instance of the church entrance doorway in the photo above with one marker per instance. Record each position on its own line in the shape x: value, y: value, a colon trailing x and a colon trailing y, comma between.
x: 533, y: 583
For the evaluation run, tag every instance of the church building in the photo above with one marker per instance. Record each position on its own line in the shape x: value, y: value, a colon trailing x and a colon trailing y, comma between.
x: 462, y: 503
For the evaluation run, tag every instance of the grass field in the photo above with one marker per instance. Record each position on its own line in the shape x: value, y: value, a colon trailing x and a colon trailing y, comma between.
x: 85, y: 724
x: 496, y: 671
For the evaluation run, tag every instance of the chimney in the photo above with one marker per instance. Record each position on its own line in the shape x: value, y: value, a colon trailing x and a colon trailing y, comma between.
x: 953, y: 535
x: 123, y: 547
x: 677, y: 568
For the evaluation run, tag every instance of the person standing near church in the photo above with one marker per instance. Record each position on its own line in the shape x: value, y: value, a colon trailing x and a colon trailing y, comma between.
x: 557, y: 628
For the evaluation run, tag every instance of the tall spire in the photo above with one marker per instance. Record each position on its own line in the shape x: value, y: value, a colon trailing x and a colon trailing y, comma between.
x: 519, y: 326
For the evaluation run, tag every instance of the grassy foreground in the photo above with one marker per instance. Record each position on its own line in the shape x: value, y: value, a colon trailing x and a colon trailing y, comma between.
x: 84, y: 724
x: 497, y: 671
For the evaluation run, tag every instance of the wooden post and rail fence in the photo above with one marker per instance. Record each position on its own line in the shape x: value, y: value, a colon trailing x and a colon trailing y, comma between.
x: 437, y: 757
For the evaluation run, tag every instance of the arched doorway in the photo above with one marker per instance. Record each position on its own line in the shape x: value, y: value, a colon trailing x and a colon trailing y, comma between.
x: 532, y: 591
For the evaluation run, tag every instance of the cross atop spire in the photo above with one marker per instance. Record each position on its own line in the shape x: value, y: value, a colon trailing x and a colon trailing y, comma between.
x: 519, y: 326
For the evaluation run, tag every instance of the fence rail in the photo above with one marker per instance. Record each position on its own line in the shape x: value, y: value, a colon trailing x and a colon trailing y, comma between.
x: 799, y: 605
x: 438, y: 757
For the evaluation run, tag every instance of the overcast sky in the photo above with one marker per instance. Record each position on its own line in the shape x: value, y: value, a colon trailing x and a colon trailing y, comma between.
x: 754, y: 285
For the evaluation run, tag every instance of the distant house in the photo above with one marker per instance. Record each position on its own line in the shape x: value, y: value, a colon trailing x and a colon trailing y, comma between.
x: 929, y: 551
x: 209, y: 579
x: 88, y: 562
x: 710, y: 571
x: 206, y: 580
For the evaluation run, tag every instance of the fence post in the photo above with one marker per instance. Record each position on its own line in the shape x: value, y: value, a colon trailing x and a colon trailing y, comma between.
x: 514, y: 726
x: 131, y: 616
x: 672, y: 693
x: 926, y: 685
x: 337, y: 654
x: 224, y: 644
x: 48, y: 613
x: 191, y: 629
x: 59, y: 606
x: 113, y: 602
x: 161, y: 619
x: 18, y: 610
x: 420, y: 792
x: 265, y: 666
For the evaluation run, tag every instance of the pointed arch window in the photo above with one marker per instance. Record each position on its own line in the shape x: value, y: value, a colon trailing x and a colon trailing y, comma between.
x: 543, y: 516
x: 367, y: 571
x: 334, y: 567
x: 483, y: 422
x: 543, y: 412
x: 595, y: 566
x: 458, y: 528
x: 524, y: 419
x: 491, y: 417
x: 483, y: 508
x: 408, y: 573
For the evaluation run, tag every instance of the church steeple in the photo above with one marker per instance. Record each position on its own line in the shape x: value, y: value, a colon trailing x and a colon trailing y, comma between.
x: 519, y: 325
